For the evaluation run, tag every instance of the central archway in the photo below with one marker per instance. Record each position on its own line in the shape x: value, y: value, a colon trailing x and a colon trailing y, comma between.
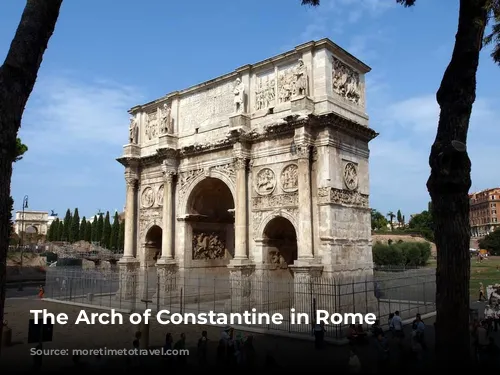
x: 280, y: 243
x: 210, y: 214
x: 153, y: 245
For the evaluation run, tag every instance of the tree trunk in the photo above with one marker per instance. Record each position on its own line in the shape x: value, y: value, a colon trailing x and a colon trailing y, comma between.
x: 449, y: 185
x: 17, y: 78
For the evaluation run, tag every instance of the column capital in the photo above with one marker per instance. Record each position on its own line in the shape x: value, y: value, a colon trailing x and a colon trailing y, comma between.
x: 131, y: 178
x: 304, y: 151
x: 168, y: 172
x: 240, y: 162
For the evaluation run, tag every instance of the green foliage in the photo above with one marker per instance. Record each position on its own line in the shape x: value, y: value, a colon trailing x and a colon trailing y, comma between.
x: 99, y: 227
x: 423, y: 223
x: 379, y: 222
x: 404, y: 254
x: 121, y: 236
x: 491, y: 242
x: 88, y: 231
x: 82, y: 229
x: 74, y: 232
x: 66, y: 235
x: 94, y: 236
x: 106, y: 231
x: 115, y: 233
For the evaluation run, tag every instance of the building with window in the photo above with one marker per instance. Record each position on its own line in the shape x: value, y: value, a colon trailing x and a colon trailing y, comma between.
x: 484, y: 212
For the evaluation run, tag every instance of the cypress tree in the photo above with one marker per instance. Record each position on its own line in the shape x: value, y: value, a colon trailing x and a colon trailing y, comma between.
x: 106, y: 232
x: 115, y: 232
x: 60, y: 231
x: 50, y: 232
x: 94, y: 229
x: 88, y: 232
x: 66, y: 235
x: 83, y: 228
x: 99, y: 228
x: 74, y: 233
x: 121, y: 237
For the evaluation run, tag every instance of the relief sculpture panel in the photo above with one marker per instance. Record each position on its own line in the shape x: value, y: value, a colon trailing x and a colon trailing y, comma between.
x: 159, y: 195
x: 147, y: 197
x: 329, y: 195
x: 290, y: 178
x: 350, y: 176
x: 152, y: 127
x: 209, y: 245
x: 265, y: 92
x: 273, y: 201
x: 346, y: 82
x: 265, y: 181
x: 292, y: 82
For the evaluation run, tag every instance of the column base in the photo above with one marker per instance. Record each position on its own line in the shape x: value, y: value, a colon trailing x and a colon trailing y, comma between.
x: 304, y: 292
x: 168, y: 272
x: 240, y: 278
x: 302, y: 104
x: 239, y: 122
x: 128, y: 270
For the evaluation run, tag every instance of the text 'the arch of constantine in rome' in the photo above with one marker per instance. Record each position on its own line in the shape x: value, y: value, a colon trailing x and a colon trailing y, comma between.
x: 262, y: 172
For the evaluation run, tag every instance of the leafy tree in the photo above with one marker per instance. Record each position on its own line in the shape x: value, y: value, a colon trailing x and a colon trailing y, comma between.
x: 379, y: 222
x: 450, y: 178
x: 106, y: 231
x: 88, y: 232
x: 491, y: 242
x: 74, y: 233
x: 115, y: 232
x: 17, y: 78
x: 391, y: 217
x: 121, y: 236
x: 82, y: 229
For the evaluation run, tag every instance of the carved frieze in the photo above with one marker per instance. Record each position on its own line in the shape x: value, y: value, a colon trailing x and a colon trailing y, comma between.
x: 346, y: 82
x: 265, y: 92
x: 152, y: 126
x: 329, y: 195
x: 265, y: 181
x: 159, y: 195
x: 292, y: 82
x: 256, y: 220
x: 275, y: 258
x: 147, y: 197
x: 272, y: 201
x: 209, y: 245
x: 226, y: 169
x: 351, y: 176
x: 290, y: 178
x: 148, y: 218
x: 185, y: 179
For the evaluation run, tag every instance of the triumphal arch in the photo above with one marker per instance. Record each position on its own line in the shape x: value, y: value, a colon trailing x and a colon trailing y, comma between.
x: 262, y: 171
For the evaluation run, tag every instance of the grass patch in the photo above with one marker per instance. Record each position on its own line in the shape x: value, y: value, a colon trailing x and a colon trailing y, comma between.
x: 485, y: 272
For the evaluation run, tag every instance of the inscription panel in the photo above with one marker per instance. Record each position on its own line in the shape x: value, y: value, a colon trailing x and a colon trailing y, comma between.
x: 198, y: 108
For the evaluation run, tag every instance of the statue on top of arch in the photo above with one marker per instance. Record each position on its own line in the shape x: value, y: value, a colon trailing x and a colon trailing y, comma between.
x: 166, y: 121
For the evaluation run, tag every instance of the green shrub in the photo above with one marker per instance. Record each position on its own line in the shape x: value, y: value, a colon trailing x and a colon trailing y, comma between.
x: 408, y: 254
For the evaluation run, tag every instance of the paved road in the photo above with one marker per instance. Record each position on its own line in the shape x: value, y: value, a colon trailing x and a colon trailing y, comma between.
x: 28, y: 292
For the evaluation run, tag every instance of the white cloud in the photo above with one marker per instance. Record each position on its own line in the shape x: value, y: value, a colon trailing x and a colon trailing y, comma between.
x: 399, y: 156
x: 67, y: 115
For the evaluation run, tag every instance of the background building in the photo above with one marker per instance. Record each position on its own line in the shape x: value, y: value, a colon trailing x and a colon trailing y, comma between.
x: 483, y: 212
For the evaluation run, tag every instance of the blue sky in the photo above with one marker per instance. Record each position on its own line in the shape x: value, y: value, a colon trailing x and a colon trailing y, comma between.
x: 107, y: 56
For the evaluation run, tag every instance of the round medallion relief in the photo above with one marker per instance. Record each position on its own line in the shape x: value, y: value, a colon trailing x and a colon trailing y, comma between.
x: 159, y: 195
x: 265, y: 181
x: 290, y: 178
x: 350, y: 176
x: 147, y: 197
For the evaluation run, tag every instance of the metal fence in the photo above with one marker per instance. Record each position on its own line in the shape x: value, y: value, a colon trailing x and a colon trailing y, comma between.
x: 409, y: 291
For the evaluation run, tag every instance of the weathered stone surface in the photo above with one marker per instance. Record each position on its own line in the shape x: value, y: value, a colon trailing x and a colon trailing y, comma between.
x: 267, y: 166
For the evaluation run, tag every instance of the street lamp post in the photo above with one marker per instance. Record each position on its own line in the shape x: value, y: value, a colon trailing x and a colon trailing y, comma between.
x: 21, y: 242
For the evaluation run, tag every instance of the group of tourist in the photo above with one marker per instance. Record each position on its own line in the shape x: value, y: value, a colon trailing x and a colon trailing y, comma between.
x: 232, y: 349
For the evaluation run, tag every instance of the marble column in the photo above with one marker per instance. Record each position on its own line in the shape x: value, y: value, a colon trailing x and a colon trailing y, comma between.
x: 240, y: 219
x: 305, y: 232
x: 167, y: 252
x: 130, y: 210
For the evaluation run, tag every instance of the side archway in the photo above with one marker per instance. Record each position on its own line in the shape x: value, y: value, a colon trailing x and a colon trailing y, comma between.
x: 152, y: 244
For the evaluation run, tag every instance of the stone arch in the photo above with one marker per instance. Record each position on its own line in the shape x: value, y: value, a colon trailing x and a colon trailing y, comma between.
x: 31, y: 229
x: 152, y: 244
x: 184, y: 201
x: 280, y: 242
x: 278, y: 213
